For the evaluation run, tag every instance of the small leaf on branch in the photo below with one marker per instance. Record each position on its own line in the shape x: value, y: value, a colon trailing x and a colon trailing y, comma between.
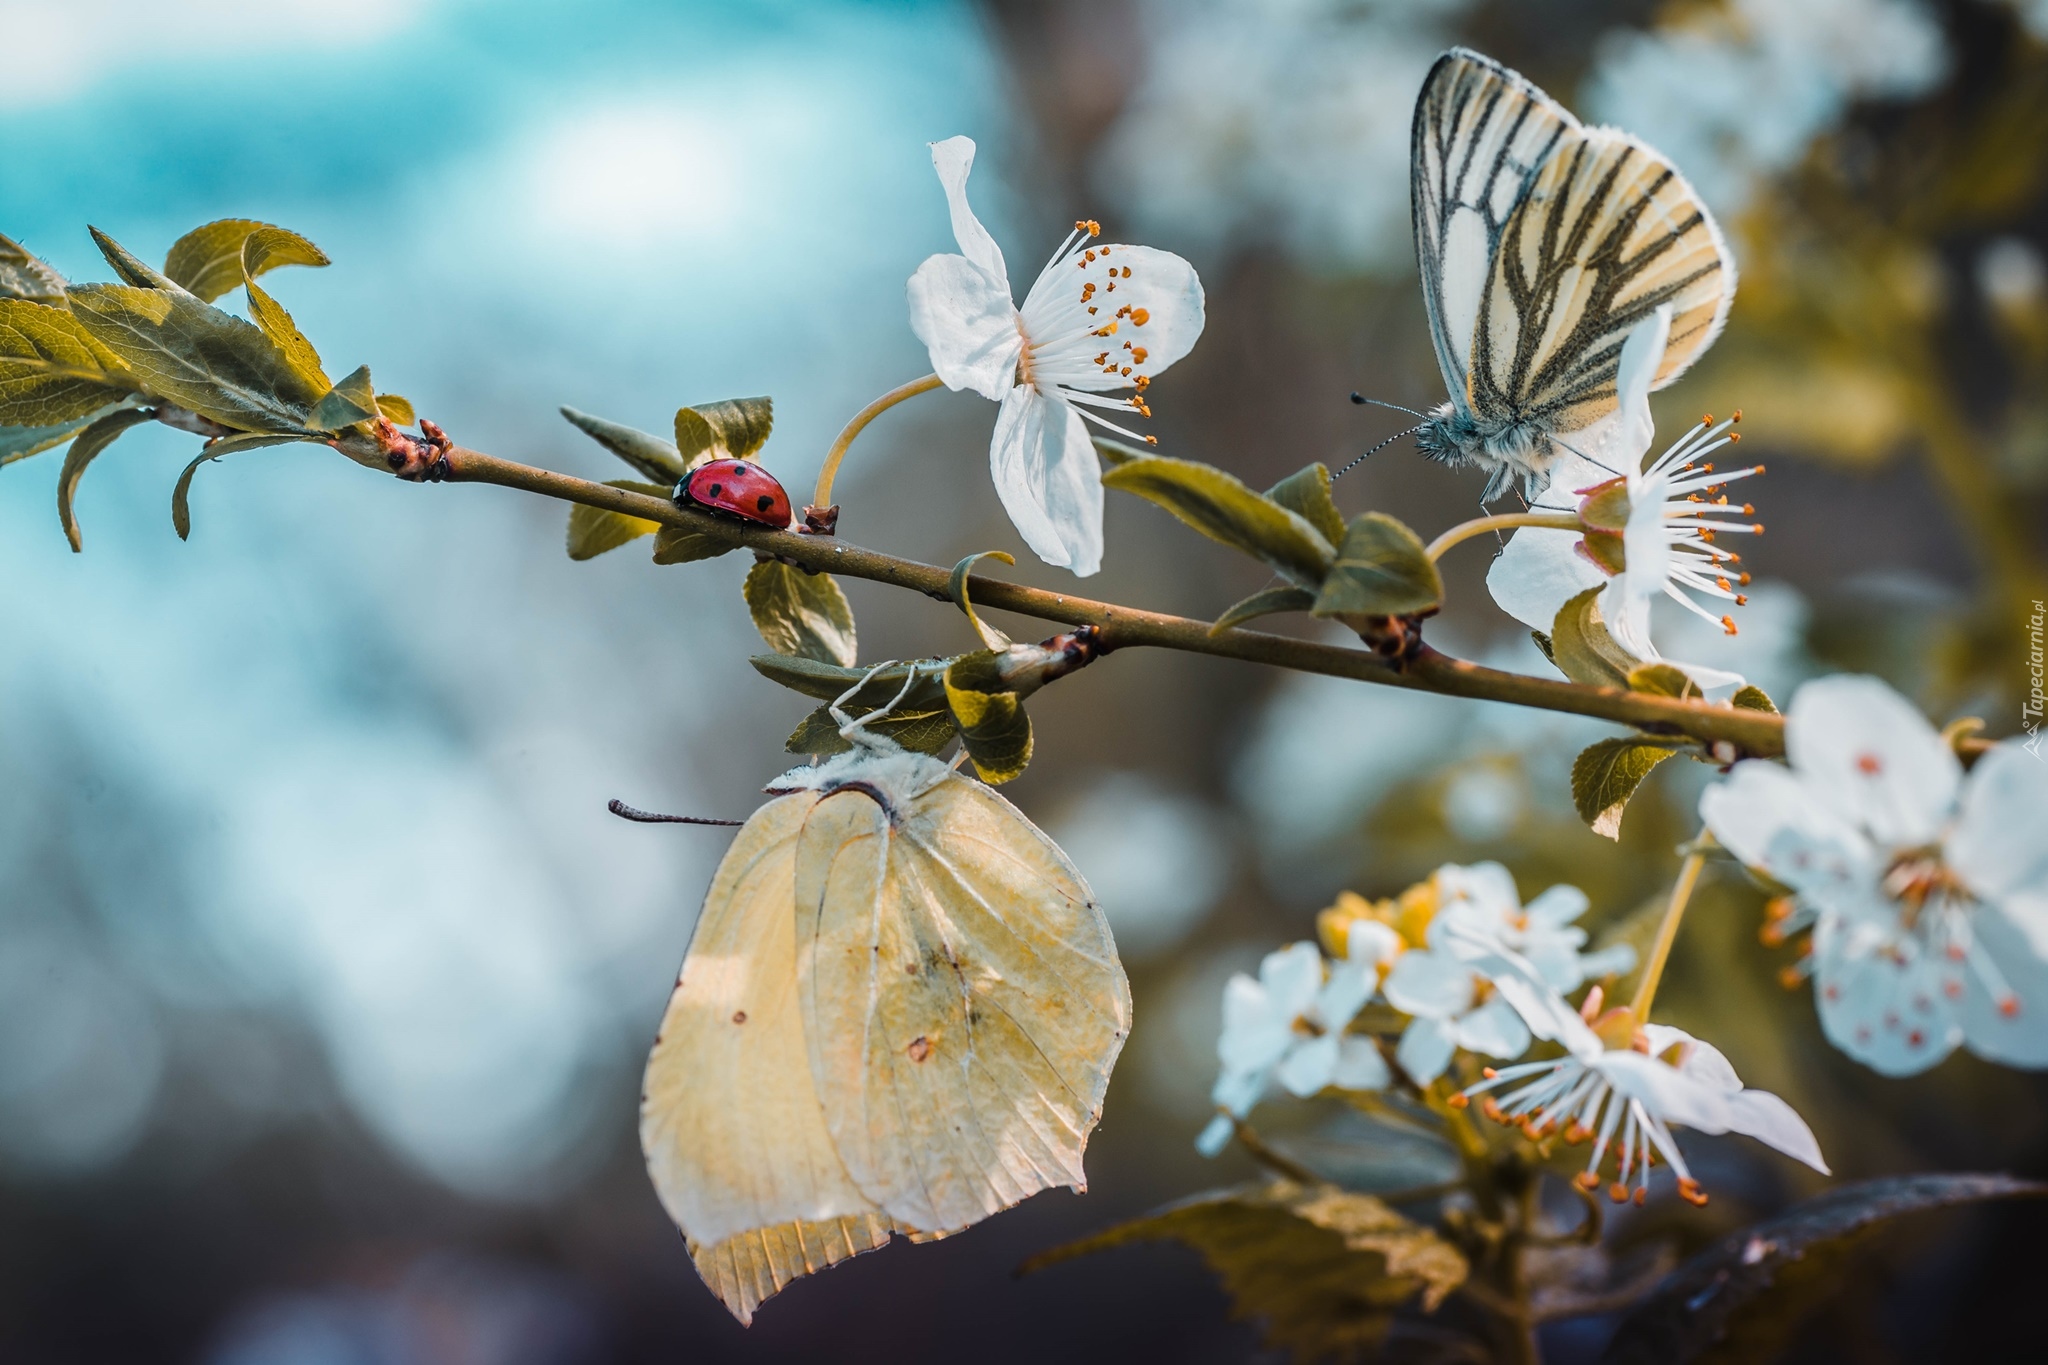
x: 23, y: 276
x: 593, y: 530
x: 1382, y: 569
x: 1744, y: 1297
x: 1222, y: 508
x: 1583, y: 650
x: 734, y: 428
x: 1750, y: 697
x: 209, y: 260
x: 52, y: 371
x: 1605, y: 775
x: 923, y: 732
x: 132, y: 268
x: 994, y: 728
x: 1662, y: 679
x: 84, y: 450
x: 828, y: 682
x: 1265, y: 603
x: 680, y: 545
x: 1116, y: 452
x: 1306, y: 492
x: 655, y: 458
x: 181, y: 495
x: 1323, y: 1268
x: 801, y: 614
x: 351, y: 400
x: 957, y: 587
x: 398, y: 408
x: 18, y: 443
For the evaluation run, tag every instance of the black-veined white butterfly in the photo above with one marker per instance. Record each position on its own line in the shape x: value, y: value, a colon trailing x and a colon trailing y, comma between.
x: 1542, y: 244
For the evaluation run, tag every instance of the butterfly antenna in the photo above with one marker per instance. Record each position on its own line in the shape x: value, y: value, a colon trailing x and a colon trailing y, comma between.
x: 849, y: 729
x: 1587, y: 458
x: 1381, y: 446
x: 648, y: 817
x: 1362, y: 401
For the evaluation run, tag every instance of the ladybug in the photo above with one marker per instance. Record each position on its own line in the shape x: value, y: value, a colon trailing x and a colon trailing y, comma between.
x: 735, y: 488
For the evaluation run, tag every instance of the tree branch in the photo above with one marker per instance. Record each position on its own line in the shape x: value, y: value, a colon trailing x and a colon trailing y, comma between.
x: 1752, y: 733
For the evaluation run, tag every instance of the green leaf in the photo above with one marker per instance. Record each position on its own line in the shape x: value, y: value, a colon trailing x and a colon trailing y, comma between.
x: 655, y: 458
x: 1605, y: 775
x: 131, y: 267
x: 89, y: 444
x: 1265, y: 603
x: 1116, y: 452
x: 1323, y: 1268
x: 51, y: 370
x: 1663, y: 680
x: 957, y: 587
x: 680, y: 545
x: 198, y: 357
x: 592, y: 530
x: 993, y: 727
x: 22, y: 276
x: 924, y: 732
x: 1383, y: 569
x: 734, y: 428
x: 1543, y: 643
x: 1307, y: 493
x: 397, y: 408
x: 1743, y: 1298
x: 18, y: 443
x: 1222, y: 508
x: 828, y: 682
x: 801, y: 614
x: 1750, y: 697
x: 1583, y: 650
x: 262, y: 249
x: 350, y: 401
x: 181, y: 495
x: 209, y: 260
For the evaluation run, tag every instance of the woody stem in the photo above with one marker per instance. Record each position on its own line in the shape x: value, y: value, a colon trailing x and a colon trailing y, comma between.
x: 823, y: 497
x: 1479, y: 526
x: 1667, y: 930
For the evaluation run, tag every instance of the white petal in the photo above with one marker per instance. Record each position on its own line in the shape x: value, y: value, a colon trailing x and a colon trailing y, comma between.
x: 1066, y: 337
x: 953, y: 159
x: 1371, y: 943
x: 1560, y: 905
x: 1359, y: 1065
x: 1556, y: 959
x: 1771, y: 1121
x: 1292, y: 976
x: 2000, y: 843
x: 1429, y: 985
x: 1622, y: 446
x: 1891, y: 1015
x: 1481, y: 894
x: 1522, y: 986
x: 1215, y: 1137
x: 1049, y: 478
x: 1702, y: 1061
x: 1609, y: 961
x: 2016, y: 1035
x: 1255, y: 1032
x: 1308, y: 1065
x: 1493, y: 1029
x: 1873, y: 757
x: 1772, y: 820
x: 1238, y: 1091
x: 1646, y: 544
x: 965, y: 320
x: 1425, y: 1050
x: 1344, y: 994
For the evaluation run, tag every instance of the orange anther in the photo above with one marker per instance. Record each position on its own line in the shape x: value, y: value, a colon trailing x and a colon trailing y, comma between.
x: 1140, y: 316
x: 1459, y: 1101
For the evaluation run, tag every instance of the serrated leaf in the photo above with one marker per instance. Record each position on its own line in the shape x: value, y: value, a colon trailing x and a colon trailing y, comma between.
x: 1741, y: 1299
x: 261, y: 249
x: 828, y: 682
x: 680, y: 545
x: 1264, y: 603
x: 592, y: 530
x: 994, y: 728
x: 957, y: 588
x: 23, y: 276
x: 1583, y: 650
x: 209, y: 260
x: 1323, y: 1268
x: 1306, y: 492
x: 923, y: 732
x: 655, y: 458
x: 1605, y: 775
x: 801, y: 614
x: 181, y: 495
x: 351, y: 400
x: 1663, y: 680
x: 1750, y: 697
x: 1382, y: 569
x: 733, y: 428
x: 396, y: 407
x: 1222, y: 508
x: 198, y: 357
x: 52, y: 371
x: 132, y: 268
x: 84, y: 450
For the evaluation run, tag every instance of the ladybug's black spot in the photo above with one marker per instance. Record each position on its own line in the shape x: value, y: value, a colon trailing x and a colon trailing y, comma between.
x: 712, y: 491
x: 764, y: 502
x: 739, y: 467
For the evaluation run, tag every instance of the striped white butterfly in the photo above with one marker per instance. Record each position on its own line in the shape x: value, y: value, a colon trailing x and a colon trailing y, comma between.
x: 1542, y: 244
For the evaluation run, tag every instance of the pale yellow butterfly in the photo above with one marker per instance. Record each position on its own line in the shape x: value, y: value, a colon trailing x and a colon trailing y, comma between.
x: 898, y: 1014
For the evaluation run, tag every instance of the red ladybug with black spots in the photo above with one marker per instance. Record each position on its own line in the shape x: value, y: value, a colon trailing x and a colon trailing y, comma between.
x: 735, y: 488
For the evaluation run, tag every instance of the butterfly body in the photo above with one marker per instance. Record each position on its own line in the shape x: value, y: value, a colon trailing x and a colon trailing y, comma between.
x: 1542, y: 243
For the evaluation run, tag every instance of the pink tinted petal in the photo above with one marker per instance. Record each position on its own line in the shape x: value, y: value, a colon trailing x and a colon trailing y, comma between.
x: 1884, y: 1005
x: 965, y: 321
x: 953, y: 159
x: 1873, y: 758
x: 2009, y: 1027
x: 1049, y: 478
x: 2000, y: 843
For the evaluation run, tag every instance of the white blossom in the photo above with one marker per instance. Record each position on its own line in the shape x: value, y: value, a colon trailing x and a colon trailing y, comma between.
x: 1098, y: 319
x: 1926, y: 889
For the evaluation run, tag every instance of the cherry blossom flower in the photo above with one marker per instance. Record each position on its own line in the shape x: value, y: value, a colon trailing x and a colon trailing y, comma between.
x: 1649, y: 528
x: 1288, y: 1026
x: 1926, y: 889
x: 1098, y: 319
